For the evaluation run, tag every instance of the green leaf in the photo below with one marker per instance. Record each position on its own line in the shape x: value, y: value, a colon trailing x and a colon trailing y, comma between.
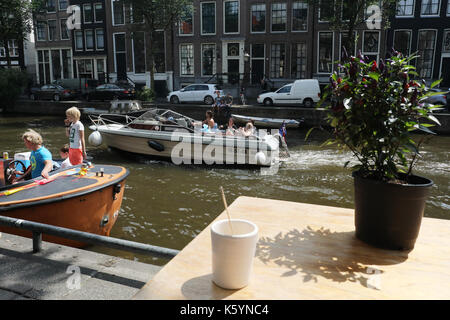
x: 374, y: 75
x: 435, y: 83
x: 309, y: 132
x: 433, y: 118
x: 423, y: 128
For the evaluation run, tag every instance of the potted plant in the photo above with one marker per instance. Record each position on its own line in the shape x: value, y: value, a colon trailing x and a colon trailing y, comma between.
x: 373, y: 111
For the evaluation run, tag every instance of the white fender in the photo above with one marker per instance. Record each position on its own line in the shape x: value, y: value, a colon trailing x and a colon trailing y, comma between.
x: 95, y: 139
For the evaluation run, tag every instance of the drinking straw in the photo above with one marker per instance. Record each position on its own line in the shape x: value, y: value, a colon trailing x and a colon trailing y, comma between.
x: 226, y: 208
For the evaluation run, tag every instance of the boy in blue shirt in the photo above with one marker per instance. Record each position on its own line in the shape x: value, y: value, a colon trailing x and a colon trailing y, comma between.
x: 40, y: 159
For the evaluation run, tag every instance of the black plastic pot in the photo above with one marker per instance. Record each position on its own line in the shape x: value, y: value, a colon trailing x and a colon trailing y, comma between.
x: 389, y: 215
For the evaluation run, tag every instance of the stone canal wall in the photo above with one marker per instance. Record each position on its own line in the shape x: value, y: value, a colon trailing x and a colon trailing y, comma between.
x: 312, y: 117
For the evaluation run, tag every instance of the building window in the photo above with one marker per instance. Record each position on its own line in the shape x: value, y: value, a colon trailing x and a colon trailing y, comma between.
x: 40, y: 30
x: 2, y: 50
x: 430, y: 7
x: 208, y: 59
x: 277, y: 60
x: 118, y: 12
x: 62, y: 4
x: 120, y: 53
x: 448, y: 8
x: 279, y: 18
x: 78, y: 40
x: 344, y: 40
x: 326, y: 10
x: 85, y: 68
x: 371, y: 40
x: 258, y: 18
x: 208, y: 10
x: 99, y: 39
x: 402, y: 41
x: 159, y: 51
x: 89, y: 34
x: 87, y: 13
x: 299, y: 61
x: 43, y: 66
x: 139, y: 51
x: 258, y: 63
x: 56, y: 64
x: 64, y: 31
x: 13, y: 48
x: 51, y: 30
x: 66, y: 63
x: 98, y: 12
x: 426, y: 45
x: 231, y: 16
x: 187, y: 21
x: 51, y: 5
x: 299, y: 16
x: 446, y: 42
x: 405, y: 8
x: 187, y: 59
x: 325, y: 52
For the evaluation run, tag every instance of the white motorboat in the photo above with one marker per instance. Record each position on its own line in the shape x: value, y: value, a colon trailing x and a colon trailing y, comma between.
x: 169, y: 135
x: 116, y: 107
x: 266, y: 122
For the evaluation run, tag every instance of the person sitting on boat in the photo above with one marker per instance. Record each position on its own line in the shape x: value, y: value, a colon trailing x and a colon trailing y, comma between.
x: 64, y: 154
x: 248, y: 131
x: 40, y: 158
x: 230, y: 129
x: 209, y: 121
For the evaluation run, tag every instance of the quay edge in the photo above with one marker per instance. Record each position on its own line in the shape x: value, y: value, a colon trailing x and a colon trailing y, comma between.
x: 311, y: 116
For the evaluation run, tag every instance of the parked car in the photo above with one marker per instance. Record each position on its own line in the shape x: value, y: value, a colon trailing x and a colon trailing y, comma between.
x: 53, y: 92
x: 110, y: 91
x: 440, y: 99
x: 305, y: 91
x: 195, y: 93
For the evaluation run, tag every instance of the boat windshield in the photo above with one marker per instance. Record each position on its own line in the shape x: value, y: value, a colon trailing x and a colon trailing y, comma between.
x: 164, y: 117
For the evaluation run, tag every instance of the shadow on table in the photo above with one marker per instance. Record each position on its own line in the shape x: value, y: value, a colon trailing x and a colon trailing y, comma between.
x: 337, y: 256
x: 201, y: 288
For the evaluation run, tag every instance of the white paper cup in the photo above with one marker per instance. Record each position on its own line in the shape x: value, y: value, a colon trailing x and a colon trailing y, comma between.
x: 232, y: 254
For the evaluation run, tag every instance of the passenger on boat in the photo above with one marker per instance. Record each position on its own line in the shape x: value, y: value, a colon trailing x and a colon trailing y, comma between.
x: 40, y: 158
x: 209, y: 119
x: 248, y: 131
x: 64, y: 154
x: 75, y: 132
x: 230, y: 128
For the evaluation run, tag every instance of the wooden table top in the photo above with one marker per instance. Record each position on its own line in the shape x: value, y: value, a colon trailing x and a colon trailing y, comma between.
x: 309, y: 251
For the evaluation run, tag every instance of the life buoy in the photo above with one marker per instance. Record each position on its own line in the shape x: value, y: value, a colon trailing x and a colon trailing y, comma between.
x: 156, y: 145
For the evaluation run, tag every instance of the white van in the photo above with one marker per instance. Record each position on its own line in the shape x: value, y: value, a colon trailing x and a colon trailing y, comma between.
x: 305, y: 91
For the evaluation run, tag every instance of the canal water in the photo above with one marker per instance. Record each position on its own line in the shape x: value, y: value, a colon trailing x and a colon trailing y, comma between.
x: 168, y: 205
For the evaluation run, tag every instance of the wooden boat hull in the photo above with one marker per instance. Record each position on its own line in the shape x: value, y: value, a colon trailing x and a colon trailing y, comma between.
x: 91, y: 206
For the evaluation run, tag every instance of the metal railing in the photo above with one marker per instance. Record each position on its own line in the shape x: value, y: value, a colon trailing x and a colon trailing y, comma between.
x: 90, y: 238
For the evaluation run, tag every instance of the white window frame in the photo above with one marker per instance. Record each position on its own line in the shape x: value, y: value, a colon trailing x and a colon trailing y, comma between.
x: 96, y: 42
x: 2, y: 52
x: 214, y: 59
x: 318, y: 51
x: 145, y: 53
x: 193, y: 58
x: 75, y: 40
x: 318, y: 16
x: 379, y: 44
x: 410, y: 39
x: 286, y: 68
x: 56, y: 7
x: 193, y: 22
x: 341, y: 32
x: 114, y: 47
x: 448, y: 8
x: 292, y: 17
x: 293, y: 47
x: 251, y: 15
x: 239, y: 16
x: 41, y: 22
x: 85, y: 40
x: 112, y: 13
x: 201, y: 19
x: 434, y: 49
x: 59, y: 7
x: 61, y: 30
x: 12, y: 44
x: 48, y: 30
x: 271, y: 17
x: 85, y: 5
x: 430, y: 15
x: 95, y: 16
x: 443, y: 43
x: 406, y: 16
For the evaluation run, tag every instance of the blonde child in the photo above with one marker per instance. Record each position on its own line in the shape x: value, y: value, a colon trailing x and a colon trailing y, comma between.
x: 75, y: 132
x: 40, y: 158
